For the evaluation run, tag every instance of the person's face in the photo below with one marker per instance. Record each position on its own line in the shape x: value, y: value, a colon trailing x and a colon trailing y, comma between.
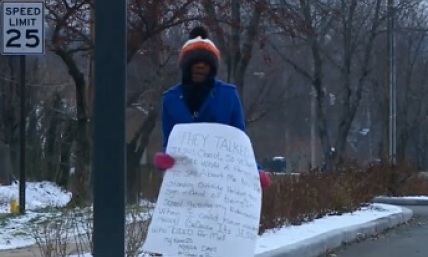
x: 200, y: 72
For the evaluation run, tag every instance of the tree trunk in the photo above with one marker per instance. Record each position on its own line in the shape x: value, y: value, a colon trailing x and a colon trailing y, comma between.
x: 62, y: 178
x: 237, y: 47
x: 402, y: 145
x: 135, y: 150
x: 12, y: 119
x: 133, y: 165
x: 382, y: 106
x: 239, y: 83
x: 34, y: 146
x: 424, y: 152
x: 5, y: 164
x: 52, y: 137
x: 81, y: 179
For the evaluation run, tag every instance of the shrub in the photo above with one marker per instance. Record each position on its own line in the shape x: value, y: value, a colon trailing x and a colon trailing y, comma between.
x: 296, y: 199
x: 291, y: 200
x: 390, y: 179
x: 70, y: 232
x: 415, y: 186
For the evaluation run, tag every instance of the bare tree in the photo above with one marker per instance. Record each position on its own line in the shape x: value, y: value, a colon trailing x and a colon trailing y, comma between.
x: 148, y: 18
x: 143, y: 110
x: 236, y: 26
x: 9, y: 120
x: 148, y: 23
x: 320, y: 25
x: 412, y: 94
x: 70, y: 40
x: 410, y: 61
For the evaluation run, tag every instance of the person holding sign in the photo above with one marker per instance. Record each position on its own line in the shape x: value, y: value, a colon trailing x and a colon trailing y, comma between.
x: 200, y: 96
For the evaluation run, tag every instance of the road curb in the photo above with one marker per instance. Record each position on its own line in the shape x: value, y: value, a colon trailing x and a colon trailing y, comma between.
x: 321, y: 244
x: 400, y: 201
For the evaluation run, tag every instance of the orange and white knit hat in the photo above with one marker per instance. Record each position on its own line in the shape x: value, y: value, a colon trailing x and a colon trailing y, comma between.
x: 199, y: 48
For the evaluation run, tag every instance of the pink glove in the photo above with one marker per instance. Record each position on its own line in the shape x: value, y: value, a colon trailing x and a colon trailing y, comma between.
x: 163, y: 161
x: 265, y: 180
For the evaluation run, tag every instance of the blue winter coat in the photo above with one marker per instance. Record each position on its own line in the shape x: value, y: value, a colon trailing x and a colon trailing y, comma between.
x: 221, y: 106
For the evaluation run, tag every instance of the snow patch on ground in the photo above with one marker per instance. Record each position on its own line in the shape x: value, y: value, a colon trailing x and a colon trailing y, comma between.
x: 45, y: 219
x: 18, y: 231
x: 288, y: 235
x: 277, y: 238
x: 38, y: 195
x: 420, y: 197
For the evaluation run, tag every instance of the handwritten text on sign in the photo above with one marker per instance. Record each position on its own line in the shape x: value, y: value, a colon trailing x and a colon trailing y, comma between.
x: 209, y: 203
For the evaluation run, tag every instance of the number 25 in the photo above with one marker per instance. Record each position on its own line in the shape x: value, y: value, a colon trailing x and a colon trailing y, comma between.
x: 29, y: 34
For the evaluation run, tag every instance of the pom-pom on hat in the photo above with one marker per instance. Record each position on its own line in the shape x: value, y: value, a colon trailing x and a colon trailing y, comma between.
x: 199, y: 48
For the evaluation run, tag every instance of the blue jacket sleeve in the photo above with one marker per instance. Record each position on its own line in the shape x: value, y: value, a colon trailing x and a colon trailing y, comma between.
x: 238, y: 119
x: 167, y: 124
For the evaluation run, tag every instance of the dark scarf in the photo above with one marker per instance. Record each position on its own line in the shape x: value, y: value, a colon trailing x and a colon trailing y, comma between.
x: 195, y: 94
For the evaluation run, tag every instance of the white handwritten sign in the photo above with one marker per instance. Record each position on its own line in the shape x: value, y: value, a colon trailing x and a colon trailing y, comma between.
x: 210, y: 201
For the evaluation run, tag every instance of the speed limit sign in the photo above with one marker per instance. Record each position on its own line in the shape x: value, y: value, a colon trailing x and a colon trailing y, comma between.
x: 23, y: 27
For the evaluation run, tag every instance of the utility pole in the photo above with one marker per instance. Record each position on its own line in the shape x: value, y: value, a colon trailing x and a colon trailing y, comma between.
x: 392, y: 83
x: 313, y: 121
x: 369, y: 124
x: 22, y: 134
x: 108, y: 132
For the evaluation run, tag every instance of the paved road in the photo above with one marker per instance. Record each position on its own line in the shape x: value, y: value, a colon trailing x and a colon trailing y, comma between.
x: 409, y: 240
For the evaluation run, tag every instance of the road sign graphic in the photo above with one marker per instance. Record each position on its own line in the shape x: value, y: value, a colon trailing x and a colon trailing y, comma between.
x: 23, y: 28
